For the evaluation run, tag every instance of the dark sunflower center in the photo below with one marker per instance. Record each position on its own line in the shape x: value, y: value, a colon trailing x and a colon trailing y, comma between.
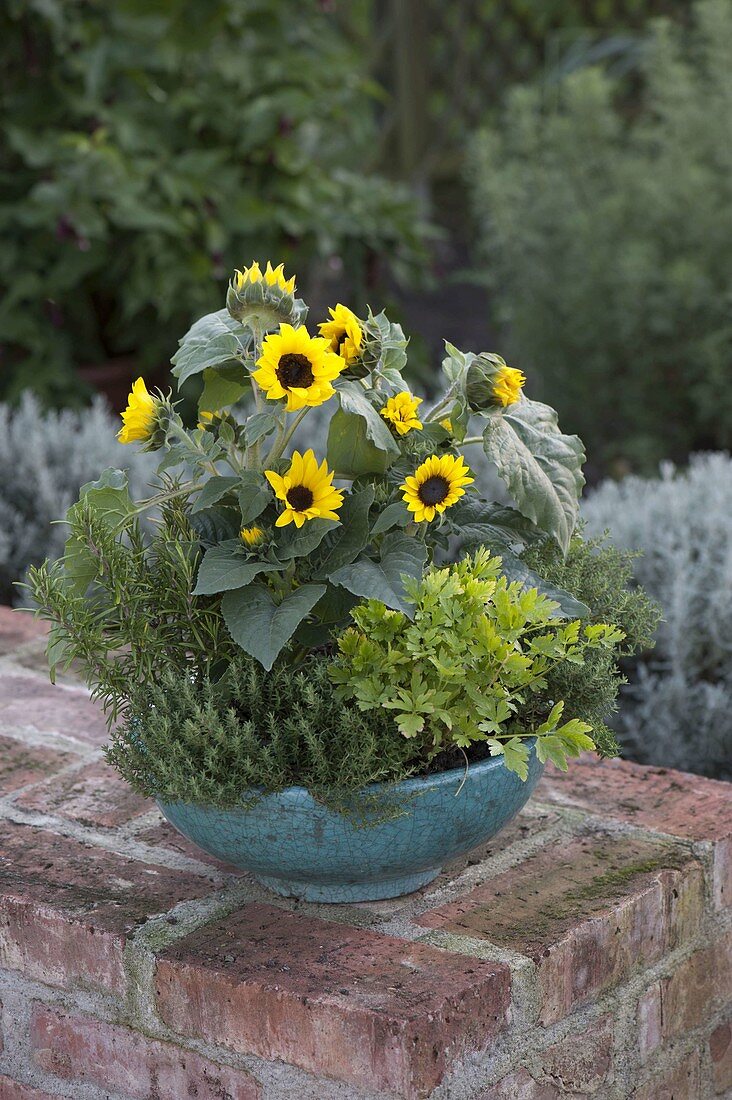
x: 300, y: 498
x: 294, y: 371
x: 340, y: 341
x: 434, y: 490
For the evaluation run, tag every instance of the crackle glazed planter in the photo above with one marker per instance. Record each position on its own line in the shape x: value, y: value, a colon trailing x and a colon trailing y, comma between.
x: 300, y: 848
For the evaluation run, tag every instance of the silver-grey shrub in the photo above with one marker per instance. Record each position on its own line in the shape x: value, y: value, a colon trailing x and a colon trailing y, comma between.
x: 677, y: 710
x: 45, y: 456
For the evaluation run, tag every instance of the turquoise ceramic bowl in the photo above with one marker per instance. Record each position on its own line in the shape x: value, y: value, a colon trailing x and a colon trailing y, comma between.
x: 301, y: 849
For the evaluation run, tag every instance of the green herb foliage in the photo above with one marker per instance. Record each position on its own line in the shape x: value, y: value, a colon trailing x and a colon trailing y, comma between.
x: 601, y: 576
x: 188, y: 737
x: 463, y: 667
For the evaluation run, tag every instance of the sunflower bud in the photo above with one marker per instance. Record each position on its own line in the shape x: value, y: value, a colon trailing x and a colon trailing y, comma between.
x: 489, y: 383
x: 147, y: 417
x: 264, y: 300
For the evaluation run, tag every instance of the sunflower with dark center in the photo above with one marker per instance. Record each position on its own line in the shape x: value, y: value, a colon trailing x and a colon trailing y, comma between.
x: 306, y: 490
x: 436, y: 485
x: 343, y: 332
x: 298, y: 367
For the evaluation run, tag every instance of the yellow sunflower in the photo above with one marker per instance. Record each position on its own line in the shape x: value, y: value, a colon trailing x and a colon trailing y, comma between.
x: 508, y: 385
x: 401, y: 412
x: 297, y: 366
x: 343, y: 332
x: 436, y: 484
x: 140, y: 418
x: 252, y: 536
x: 306, y: 489
x: 273, y: 276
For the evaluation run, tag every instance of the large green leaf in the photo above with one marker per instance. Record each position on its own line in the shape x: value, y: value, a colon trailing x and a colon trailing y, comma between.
x: 254, y: 495
x: 349, y: 539
x: 222, y: 387
x: 109, y: 496
x: 225, y: 567
x: 262, y: 627
x: 212, y: 492
x: 394, y: 515
x: 517, y: 570
x: 541, y: 467
x: 359, y: 441
x: 215, y: 525
x: 212, y: 341
x: 492, y: 525
x: 259, y: 425
x: 293, y: 542
x: 382, y: 580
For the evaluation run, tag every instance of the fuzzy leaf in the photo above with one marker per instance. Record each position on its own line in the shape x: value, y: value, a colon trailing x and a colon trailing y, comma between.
x: 215, y: 525
x: 222, y: 387
x: 110, y: 498
x: 394, y: 515
x: 359, y: 441
x: 254, y: 495
x: 400, y: 556
x: 493, y: 525
x: 258, y: 425
x: 514, y: 569
x: 212, y: 341
x: 350, y: 538
x: 541, y: 467
x: 213, y: 491
x: 259, y: 625
x: 225, y: 567
x: 293, y: 542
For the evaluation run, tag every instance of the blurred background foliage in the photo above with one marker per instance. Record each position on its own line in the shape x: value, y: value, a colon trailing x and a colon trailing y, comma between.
x: 605, y: 227
x: 147, y: 147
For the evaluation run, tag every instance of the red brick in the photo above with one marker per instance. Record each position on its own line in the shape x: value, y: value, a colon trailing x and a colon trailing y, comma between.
x: 339, y: 1001
x: 649, y: 1021
x: 30, y: 701
x: 702, y: 984
x: 588, y: 911
x: 681, y: 1083
x: 720, y: 1052
x: 68, y: 908
x: 93, y: 795
x: 21, y: 764
x: 520, y: 1086
x: 689, y: 807
x: 17, y: 629
x: 82, y: 1049
x: 583, y: 1062
x: 13, y: 1090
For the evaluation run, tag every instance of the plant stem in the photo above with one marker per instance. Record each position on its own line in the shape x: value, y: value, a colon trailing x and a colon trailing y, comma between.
x: 284, y: 437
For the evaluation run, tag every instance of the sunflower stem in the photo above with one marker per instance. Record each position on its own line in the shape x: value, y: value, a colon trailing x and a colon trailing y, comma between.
x: 284, y: 436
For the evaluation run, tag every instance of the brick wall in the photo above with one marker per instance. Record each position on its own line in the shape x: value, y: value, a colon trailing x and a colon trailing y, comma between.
x: 586, y: 952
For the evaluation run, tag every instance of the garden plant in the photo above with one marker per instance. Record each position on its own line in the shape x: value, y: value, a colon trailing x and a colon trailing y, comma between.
x: 319, y: 624
x: 600, y: 224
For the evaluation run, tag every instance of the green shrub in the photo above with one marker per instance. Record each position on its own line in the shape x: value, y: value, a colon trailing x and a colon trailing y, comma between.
x: 603, y: 236
x: 148, y: 149
x: 601, y: 576
x: 192, y: 738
